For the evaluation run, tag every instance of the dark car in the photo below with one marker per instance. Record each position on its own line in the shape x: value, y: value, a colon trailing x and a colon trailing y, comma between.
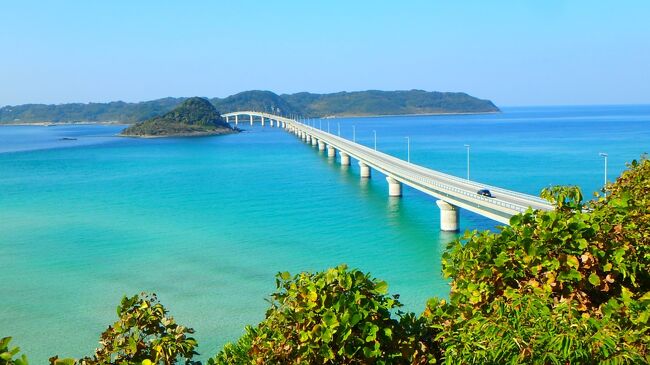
x: 485, y: 192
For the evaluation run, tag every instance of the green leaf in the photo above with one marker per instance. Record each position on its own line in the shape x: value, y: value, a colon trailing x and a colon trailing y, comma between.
x: 594, y: 279
x: 329, y: 318
x: 381, y: 287
x: 572, y: 261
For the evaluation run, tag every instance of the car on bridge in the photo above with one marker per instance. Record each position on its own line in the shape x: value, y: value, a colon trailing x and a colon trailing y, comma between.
x: 485, y: 192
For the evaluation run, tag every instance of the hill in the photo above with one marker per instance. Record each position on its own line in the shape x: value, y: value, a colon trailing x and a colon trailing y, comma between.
x: 116, y: 111
x: 376, y: 102
x: 359, y: 103
x: 255, y: 100
x: 195, y: 116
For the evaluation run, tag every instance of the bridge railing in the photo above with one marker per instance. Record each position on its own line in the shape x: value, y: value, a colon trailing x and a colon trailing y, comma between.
x: 528, y: 197
x: 405, y: 173
x: 405, y: 170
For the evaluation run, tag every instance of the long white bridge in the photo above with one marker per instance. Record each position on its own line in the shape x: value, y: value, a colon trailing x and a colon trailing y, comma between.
x: 452, y: 192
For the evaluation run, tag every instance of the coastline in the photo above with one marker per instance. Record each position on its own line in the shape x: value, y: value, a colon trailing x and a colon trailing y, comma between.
x: 404, y: 115
x: 189, y: 134
x: 53, y: 124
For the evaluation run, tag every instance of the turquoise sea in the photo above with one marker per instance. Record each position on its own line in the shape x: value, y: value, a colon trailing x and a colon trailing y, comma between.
x: 207, y: 222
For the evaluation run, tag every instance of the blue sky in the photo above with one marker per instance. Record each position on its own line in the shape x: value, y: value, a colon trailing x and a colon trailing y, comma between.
x: 521, y: 52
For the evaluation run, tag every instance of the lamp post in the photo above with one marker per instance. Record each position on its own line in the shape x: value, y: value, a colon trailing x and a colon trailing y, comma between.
x: 338, y: 124
x: 320, y: 124
x: 354, y: 134
x: 467, y: 146
x: 408, y: 149
x: 375, y: 133
x: 604, y: 155
x: 328, y: 126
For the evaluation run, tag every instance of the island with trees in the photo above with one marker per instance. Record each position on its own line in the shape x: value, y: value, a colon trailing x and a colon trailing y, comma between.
x: 194, y: 117
x: 309, y: 105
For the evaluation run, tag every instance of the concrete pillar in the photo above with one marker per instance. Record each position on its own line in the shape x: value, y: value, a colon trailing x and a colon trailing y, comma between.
x: 304, y: 136
x: 394, y: 187
x: 236, y: 119
x: 314, y: 141
x: 331, y: 152
x: 364, y: 170
x: 345, y: 159
x: 449, y: 216
x: 321, y: 145
x: 262, y: 118
x: 308, y: 138
x: 251, y: 119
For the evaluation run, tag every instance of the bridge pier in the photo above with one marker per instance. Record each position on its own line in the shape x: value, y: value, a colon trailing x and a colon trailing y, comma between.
x: 345, y: 159
x: 252, y: 120
x: 236, y: 119
x: 331, y: 152
x: 314, y: 141
x: 262, y: 118
x: 321, y: 145
x: 449, y: 216
x: 364, y: 170
x: 304, y: 136
x: 394, y: 187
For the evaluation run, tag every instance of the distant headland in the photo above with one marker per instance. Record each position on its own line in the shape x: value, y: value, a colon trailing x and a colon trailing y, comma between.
x: 341, y: 104
x: 194, y: 117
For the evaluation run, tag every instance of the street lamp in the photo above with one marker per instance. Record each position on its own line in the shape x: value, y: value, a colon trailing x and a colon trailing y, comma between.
x: 375, y: 133
x: 328, y: 126
x: 338, y: 124
x: 354, y: 134
x: 320, y: 124
x: 408, y: 149
x: 467, y: 146
x: 604, y: 155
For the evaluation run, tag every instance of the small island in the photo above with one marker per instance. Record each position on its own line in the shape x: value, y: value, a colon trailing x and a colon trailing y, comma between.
x: 193, y: 117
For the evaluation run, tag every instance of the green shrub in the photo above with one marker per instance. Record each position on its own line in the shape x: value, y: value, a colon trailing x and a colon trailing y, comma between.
x: 339, y: 316
x: 143, y: 334
x: 7, y: 354
x: 567, y: 286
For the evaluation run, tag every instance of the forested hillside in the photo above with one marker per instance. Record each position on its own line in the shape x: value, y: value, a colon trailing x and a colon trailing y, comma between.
x: 360, y: 103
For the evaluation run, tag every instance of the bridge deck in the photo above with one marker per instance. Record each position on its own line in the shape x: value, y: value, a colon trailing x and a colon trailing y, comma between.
x: 454, y: 190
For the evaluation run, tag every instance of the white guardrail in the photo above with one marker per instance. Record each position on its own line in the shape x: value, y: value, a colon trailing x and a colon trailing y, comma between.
x: 436, y: 182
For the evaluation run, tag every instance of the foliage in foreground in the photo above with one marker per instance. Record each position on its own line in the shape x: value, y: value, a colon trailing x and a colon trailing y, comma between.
x: 339, y: 316
x: 571, y: 286
x: 143, y: 334
x: 568, y: 286
x: 8, y: 353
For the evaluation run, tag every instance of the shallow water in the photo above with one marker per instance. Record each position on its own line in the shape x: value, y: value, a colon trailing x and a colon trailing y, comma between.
x: 207, y: 222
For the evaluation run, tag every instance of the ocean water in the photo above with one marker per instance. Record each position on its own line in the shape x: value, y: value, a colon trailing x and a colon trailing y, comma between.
x: 206, y: 222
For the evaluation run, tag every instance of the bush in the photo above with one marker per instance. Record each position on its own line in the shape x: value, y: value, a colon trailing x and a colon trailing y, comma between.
x: 567, y: 286
x: 339, y: 316
x: 7, y: 353
x: 143, y: 334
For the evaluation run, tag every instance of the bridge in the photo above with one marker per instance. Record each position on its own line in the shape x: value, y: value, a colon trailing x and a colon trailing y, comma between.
x: 452, y: 192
